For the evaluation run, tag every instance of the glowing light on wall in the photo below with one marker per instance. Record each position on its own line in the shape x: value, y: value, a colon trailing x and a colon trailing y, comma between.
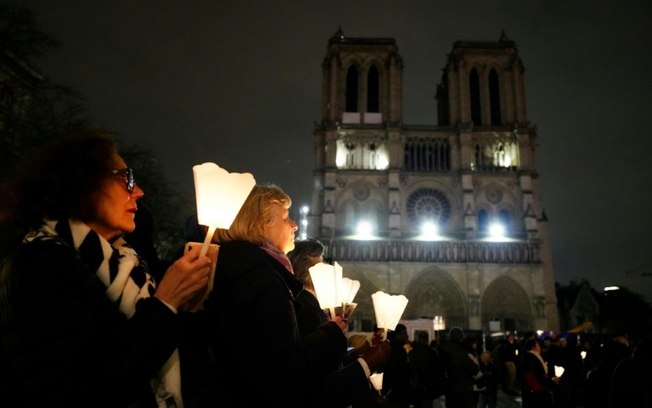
x: 372, y: 156
x: 496, y: 231
x: 364, y: 230
x: 429, y: 231
x: 383, y: 160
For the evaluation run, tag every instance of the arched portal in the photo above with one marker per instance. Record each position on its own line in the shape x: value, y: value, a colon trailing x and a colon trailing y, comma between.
x: 434, y: 293
x: 505, y: 300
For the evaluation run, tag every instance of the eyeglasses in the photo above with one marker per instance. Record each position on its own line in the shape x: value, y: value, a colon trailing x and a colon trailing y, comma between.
x: 127, y: 176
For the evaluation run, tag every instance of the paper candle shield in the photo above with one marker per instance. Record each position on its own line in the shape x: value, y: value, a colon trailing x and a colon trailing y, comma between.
x: 388, y: 309
x: 350, y: 288
x: 327, y: 280
x: 559, y: 371
x: 377, y: 381
x: 220, y: 194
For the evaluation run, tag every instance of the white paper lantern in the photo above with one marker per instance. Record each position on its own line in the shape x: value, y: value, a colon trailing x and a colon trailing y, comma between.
x: 350, y: 288
x: 559, y: 371
x: 377, y: 381
x: 388, y: 309
x: 220, y: 194
x: 327, y: 280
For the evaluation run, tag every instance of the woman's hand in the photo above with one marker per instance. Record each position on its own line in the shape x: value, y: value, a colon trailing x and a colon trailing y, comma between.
x: 186, y: 277
x: 341, y: 323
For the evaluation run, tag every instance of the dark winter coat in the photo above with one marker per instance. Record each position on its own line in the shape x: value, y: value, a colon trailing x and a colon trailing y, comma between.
x: 538, y: 387
x: 64, y: 343
x: 253, y: 339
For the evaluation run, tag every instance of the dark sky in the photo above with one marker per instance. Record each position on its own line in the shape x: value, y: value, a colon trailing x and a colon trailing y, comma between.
x: 238, y: 83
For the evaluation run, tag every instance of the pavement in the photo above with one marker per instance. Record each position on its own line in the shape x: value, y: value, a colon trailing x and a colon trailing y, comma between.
x: 508, y: 401
x: 504, y: 401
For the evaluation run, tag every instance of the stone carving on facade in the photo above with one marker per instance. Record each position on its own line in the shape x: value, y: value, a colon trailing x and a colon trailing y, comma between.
x: 382, y: 182
x: 361, y: 192
x: 493, y: 194
x: 474, y: 305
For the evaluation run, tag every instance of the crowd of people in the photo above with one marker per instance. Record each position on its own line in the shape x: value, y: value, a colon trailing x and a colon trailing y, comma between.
x: 85, y: 321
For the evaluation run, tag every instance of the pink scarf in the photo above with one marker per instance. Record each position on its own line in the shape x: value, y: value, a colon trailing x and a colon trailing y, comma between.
x: 275, y: 253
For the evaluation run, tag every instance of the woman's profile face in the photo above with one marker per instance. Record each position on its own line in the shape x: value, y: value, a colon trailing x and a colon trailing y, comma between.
x: 115, y: 206
x: 281, y: 230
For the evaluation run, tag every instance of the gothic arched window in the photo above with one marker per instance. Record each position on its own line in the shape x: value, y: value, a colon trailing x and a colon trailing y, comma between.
x: 352, y: 89
x: 474, y: 87
x: 483, y: 221
x: 505, y: 219
x: 494, y: 98
x: 373, y: 90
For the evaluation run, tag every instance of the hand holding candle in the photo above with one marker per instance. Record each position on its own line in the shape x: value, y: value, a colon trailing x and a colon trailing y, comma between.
x: 332, y: 289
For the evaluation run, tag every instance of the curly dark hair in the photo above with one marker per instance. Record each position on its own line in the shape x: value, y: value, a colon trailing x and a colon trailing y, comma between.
x: 300, y: 258
x: 56, y: 181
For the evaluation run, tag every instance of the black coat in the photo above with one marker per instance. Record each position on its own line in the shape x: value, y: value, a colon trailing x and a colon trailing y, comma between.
x: 537, y: 385
x: 64, y: 343
x: 250, y: 327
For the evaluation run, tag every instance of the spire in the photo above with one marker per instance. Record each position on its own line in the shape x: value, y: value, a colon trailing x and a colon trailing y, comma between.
x: 339, y: 34
x: 503, y: 36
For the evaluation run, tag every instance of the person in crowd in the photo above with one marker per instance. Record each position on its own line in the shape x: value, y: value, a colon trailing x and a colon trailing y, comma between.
x: 538, y: 386
x: 398, y: 375
x: 565, y: 353
x: 470, y: 344
x: 488, y: 383
x: 631, y: 383
x: 598, y: 380
x: 461, y: 369
x: 424, y: 364
x: 507, y: 360
x: 307, y: 253
x: 349, y: 380
x: 82, y: 322
x: 254, y: 288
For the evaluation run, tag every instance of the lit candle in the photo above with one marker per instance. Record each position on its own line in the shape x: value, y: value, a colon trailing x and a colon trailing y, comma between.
x: 388, y: 309
x: 327, y: 280
x: 220, y: 196
x: 377, y: 381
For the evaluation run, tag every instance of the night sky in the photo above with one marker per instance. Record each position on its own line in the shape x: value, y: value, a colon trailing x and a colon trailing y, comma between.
x: 238, y: 83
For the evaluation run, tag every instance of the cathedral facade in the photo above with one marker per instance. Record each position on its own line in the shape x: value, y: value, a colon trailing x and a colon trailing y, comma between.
x: 448, y: 215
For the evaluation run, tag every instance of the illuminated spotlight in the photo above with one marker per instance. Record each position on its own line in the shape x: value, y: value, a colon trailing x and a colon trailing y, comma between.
x: 429, y: 231
x: 303, y: 222
x: 611, y: 288
x: 496, y: 232
x: 364, y: 230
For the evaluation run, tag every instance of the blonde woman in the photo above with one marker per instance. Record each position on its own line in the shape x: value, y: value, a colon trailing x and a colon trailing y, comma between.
x: 249, y: 323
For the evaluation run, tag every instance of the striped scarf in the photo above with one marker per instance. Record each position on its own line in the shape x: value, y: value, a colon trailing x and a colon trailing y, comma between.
x: 125, y: 276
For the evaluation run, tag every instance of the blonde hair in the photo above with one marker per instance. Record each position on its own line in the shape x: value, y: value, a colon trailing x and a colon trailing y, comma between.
x: 255, y: 214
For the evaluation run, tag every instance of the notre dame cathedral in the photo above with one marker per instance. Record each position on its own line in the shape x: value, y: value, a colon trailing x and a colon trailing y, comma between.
x: 448, y: 215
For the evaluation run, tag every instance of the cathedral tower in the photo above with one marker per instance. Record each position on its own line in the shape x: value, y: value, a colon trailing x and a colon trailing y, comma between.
x: 448, y: 215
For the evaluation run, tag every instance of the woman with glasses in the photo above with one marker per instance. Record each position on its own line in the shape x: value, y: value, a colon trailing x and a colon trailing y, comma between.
x: 82, y: 323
